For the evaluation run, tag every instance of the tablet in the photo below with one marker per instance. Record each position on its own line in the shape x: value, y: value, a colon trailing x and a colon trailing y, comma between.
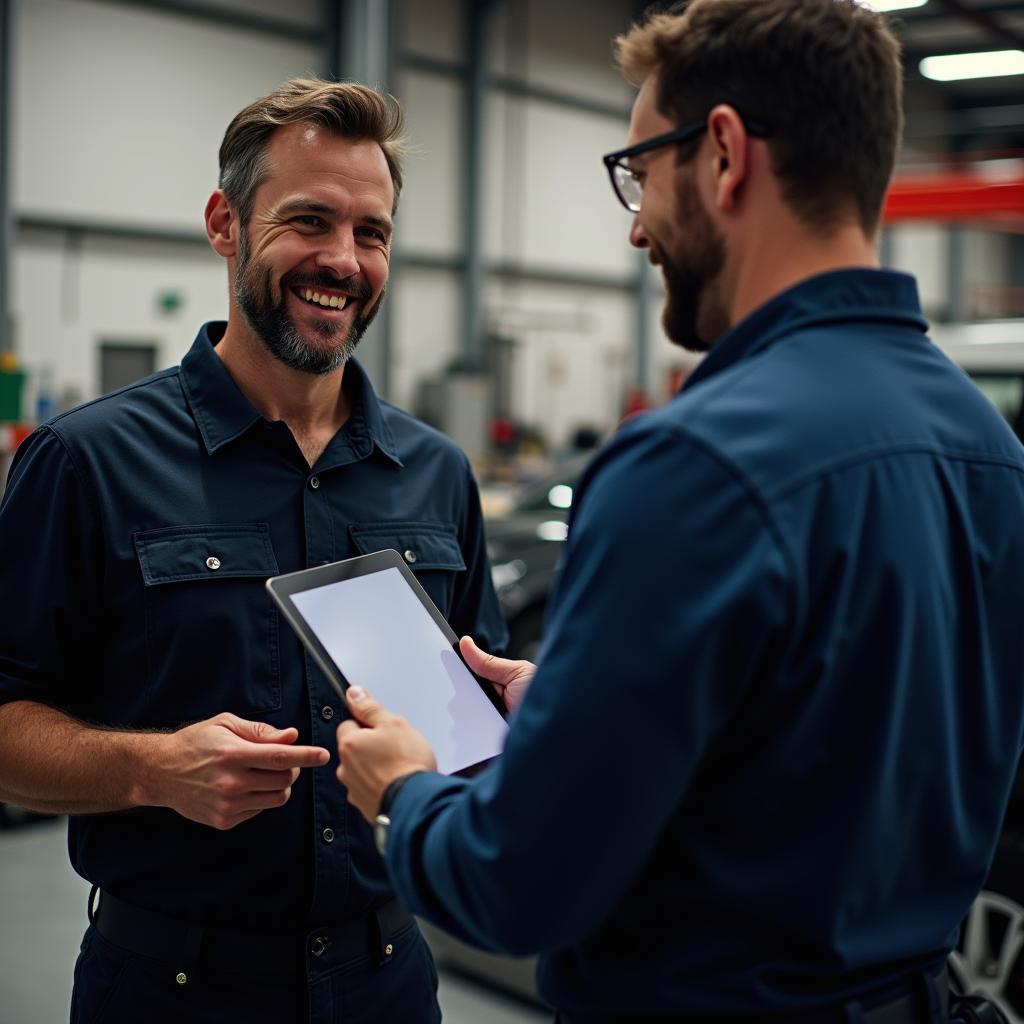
x: 367, y: 621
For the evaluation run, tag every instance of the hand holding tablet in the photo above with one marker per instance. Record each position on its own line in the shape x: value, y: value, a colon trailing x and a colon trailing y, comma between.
x: 367, y: 621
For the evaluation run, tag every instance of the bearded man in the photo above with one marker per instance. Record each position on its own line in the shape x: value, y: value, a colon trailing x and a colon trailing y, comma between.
x: 760, y: 772
x: 147, y: 687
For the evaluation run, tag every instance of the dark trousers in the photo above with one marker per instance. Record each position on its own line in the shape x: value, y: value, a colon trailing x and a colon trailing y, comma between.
x: 116, y: 986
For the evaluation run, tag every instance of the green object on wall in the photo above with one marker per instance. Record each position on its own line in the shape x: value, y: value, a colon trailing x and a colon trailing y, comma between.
x: 11, y: 385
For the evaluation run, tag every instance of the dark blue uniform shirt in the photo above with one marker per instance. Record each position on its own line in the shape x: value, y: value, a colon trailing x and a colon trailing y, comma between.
x: 113, y: 612
x: 762, y: 766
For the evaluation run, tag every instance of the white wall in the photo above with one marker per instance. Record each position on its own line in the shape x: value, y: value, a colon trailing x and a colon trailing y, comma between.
x: 118, y: 114
x: 118, y: 111
x: 430, y: 211
x: 69, y: 300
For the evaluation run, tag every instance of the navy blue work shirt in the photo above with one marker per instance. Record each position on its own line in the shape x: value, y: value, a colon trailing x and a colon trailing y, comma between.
x: 763, y: 763
x: 136, y: 534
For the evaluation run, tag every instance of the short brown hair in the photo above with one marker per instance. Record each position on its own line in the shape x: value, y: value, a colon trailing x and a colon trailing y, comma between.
x: 825, y: 75
x: 348, y: 109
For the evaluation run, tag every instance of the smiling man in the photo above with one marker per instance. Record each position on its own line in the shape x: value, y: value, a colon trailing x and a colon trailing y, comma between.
x: 760, y: 772
x: 146, y: 685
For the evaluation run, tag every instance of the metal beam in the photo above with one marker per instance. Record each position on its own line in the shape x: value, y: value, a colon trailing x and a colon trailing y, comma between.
x: 986, y: 20
x: 358, y: 37
x: 358, y: 46
x: 516, y: 86
x: 956, y: 310
x: 472, y: 336
x: 641, y: 317
x: 536, y: 274
x: 455, y: 264
x: 431, y: 65
x: 6, y: 141
x: 941, y: 12
x: 104, y: 229
x: 279, y: 28
x: 966, y: 121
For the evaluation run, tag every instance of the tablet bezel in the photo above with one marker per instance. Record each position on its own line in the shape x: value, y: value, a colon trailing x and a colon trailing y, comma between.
x: 282, y: 588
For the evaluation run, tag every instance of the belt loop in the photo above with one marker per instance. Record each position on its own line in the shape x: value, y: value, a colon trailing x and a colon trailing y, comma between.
x: 379, y: 939
x: 90, y: 904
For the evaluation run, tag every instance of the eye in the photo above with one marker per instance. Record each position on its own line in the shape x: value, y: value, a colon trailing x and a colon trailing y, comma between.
x: 371, y: 232
x: 308, y: 221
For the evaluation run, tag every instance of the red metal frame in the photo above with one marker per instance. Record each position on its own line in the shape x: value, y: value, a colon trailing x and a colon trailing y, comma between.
x: 957, y: 196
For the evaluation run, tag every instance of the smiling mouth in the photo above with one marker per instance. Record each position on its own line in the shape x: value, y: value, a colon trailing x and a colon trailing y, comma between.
x: 321, y: 299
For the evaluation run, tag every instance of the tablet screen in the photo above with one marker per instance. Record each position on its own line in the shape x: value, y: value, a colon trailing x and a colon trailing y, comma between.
x: 380, y: 635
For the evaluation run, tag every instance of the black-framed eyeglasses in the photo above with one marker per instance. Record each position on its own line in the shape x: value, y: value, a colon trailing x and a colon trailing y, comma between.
x: 628, y: 187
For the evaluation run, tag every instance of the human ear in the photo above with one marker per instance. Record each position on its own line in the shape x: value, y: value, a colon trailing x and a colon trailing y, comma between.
x: 730, y: 164
x: 221, y: 224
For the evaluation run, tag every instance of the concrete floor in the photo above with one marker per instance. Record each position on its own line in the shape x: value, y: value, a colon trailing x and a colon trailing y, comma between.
x: 42, y: 910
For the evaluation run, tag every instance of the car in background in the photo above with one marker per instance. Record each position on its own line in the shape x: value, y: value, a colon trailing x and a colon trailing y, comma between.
x: 989, y: 958
x: 524, y: 544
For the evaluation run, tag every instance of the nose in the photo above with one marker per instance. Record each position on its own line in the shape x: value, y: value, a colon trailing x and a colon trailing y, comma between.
x: 637, y: 234
x: 338, y: 253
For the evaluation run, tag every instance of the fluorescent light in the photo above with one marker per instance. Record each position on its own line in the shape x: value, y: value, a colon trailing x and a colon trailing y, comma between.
x: 885, y: 6
x: 956, y: 66
x: 560, y: 496
x: 553, y: 529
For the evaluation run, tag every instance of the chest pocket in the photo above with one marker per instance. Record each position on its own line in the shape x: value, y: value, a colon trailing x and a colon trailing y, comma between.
x: 431, y: 550
x: 211, y: 629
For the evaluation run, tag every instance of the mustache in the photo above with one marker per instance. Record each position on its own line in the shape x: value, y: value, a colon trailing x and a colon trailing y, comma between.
x: 352, y: 286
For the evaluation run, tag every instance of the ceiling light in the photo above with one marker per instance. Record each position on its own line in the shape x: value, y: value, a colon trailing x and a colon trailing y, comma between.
x: 885, y: 6
x: 956, y: 66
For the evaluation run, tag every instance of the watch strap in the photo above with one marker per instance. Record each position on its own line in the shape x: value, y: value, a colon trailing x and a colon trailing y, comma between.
x: 391, y: 792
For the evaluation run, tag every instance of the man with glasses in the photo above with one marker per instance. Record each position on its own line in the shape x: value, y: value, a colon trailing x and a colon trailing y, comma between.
x: 760, y: 771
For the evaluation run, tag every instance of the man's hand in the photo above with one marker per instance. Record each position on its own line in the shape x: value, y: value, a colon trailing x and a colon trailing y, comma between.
x: 224, y: 770
x: 376, y: 747
x: 509, y: 678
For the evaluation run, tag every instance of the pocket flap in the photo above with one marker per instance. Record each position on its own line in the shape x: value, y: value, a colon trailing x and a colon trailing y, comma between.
x: 178, y: 553
x: 422, y: 545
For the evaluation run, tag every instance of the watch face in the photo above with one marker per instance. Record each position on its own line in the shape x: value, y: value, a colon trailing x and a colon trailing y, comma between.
x: 380, y: 832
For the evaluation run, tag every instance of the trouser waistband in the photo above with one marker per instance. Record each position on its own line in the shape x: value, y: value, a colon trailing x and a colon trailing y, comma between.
x: 925, y: 1001
x: 185, y: 946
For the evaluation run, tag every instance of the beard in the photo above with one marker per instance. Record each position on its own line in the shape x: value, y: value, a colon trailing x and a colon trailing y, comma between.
x: 331, y: 344
x: 690, y: 317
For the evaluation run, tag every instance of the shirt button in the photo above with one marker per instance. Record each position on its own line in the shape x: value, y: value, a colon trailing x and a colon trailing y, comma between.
x: 327, y: 712
x: 314, y: 482
x: 181, y: 978
x: 328, y: 835
x: 319, y: 945
x: 410, y: 556
x: 213, y: 563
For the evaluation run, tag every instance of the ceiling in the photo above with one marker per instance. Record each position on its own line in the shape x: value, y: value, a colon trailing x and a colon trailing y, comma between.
x: 979, y: 116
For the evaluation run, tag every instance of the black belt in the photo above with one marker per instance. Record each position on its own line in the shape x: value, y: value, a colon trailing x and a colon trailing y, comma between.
x: 913, y: 1007
x: 187, y: 947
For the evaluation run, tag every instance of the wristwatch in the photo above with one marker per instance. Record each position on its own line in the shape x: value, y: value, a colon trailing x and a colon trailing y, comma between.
x: 382, y: 822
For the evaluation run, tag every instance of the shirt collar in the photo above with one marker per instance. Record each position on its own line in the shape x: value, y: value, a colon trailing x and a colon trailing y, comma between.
x: 838, y: 296
x: 222, y: 413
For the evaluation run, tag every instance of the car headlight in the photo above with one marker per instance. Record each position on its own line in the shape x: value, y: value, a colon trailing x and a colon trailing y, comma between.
x: 504, y: 574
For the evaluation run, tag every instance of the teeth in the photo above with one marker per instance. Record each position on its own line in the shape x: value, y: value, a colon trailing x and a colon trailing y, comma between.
x: 326, y: 301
